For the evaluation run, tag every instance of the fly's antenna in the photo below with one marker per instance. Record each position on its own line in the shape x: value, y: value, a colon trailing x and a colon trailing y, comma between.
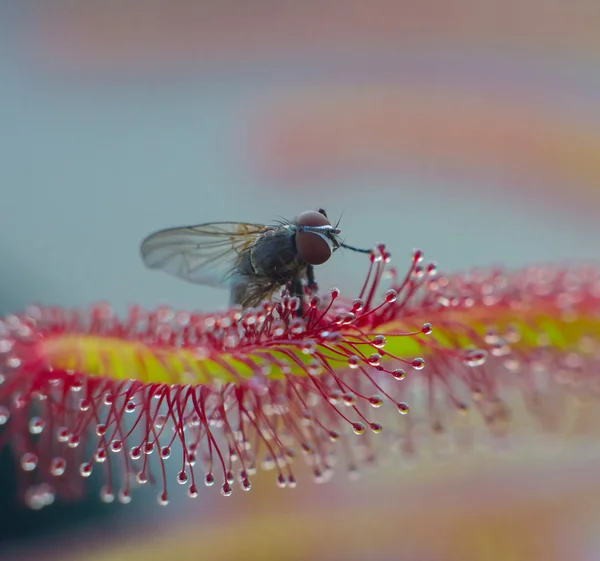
x: 358, y: 250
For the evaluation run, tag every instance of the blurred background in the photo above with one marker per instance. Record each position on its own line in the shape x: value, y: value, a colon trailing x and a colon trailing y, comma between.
x: 468, y: 129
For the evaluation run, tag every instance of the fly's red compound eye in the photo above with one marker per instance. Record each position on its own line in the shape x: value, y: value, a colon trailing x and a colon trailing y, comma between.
x: 313, y: 246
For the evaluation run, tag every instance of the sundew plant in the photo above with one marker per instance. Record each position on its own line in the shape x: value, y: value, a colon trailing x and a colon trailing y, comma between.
x: 221, y: 395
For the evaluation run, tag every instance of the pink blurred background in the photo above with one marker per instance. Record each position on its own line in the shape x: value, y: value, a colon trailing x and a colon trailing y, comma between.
x: 469, y: 129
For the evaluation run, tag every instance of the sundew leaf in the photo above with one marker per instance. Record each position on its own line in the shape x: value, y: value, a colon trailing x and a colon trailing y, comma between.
x: 225, y: 394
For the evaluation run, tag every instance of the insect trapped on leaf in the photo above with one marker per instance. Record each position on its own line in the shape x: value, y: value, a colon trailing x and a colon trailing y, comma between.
x: 252, y: 260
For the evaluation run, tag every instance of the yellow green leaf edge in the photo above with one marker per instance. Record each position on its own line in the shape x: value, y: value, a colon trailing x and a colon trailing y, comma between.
x: 122, y: 359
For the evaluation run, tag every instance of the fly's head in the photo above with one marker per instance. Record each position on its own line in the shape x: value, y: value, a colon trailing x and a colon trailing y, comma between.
x: 316, y: 237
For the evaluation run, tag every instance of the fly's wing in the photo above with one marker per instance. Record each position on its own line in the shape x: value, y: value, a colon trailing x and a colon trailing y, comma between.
x: 203, y: 254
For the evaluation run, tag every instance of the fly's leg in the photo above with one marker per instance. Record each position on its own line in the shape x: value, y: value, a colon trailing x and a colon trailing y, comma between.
x: 310, y: 277
x: 297, y: 290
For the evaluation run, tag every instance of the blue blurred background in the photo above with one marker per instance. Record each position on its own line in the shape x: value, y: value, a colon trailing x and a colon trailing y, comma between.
x: 470, y: 130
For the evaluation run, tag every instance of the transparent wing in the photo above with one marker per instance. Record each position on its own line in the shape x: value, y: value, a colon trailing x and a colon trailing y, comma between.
x: 203, y: 254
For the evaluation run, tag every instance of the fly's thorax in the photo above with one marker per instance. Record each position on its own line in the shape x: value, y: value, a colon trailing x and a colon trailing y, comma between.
x: 274, y: 253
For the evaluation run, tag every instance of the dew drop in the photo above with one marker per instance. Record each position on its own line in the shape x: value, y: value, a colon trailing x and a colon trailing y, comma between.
x: 76, y: 385
x: 512, y: 364
x: 160, y: 421
x: 353, y: 361
x: 278, y: 328
x: 308, y: 347
x: 39, y: 496
x: 349, y: 399
x: 29, y: 461
x: 85, y: 469
x: 192, y: 491
x: 130, y: 407
x: 84, y: 405
x: 46, y: 493
x: 426, y: 329
x: 357, y: 305
x: 135, y: 453
x: 73, y: 441
x: 403, y: 408
x: 13, y: 362
x: 106, y: 494
x: 141, y: 478
x: 358, y: 428
x: 379, y: 341
x: 418, y: 273
x: 6, y: 345
x: 62, y: 434
x: 376, y: 401
x: 512, y: 334
x: 100, y: 455
x: 475, y: 357
x: 374, y: 359
x: 182, y: 478
x: 500, y: 349
x: 418, y: 363
x: 297, y: 326
x: 391, y: 296
x: 165, y: 452
x: 314, y: 368
x: 209, y: 479
x: 335, y: 292
x: 226, y: 489
x: 281, y: 481
x: 148, y: 448
x: 345, y: 318
x: 399, y: 374
x: 36, y: 425
x: 124, y: 497
x: 100, y: 429
x: 58, y: 466
x: 376, y: 427
x: 163, y: 499
x: 116, y: 446
x: 331, y: 336
x: 491, y: 336
x: 4, y: 415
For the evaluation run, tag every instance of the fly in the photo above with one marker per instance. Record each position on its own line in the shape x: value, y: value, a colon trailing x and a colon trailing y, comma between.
x: 252, y: 260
